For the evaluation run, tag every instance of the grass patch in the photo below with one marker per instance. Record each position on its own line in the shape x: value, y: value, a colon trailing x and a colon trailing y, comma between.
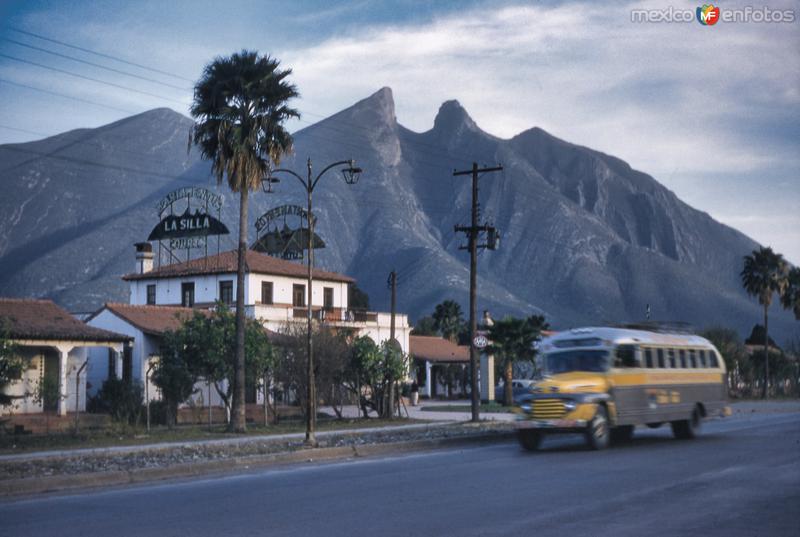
x: 488, y: 408
x: 133, y: 436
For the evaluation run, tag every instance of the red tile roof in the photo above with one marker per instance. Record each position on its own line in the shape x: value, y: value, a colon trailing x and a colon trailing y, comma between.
x: 154, y: 320
x: 436, y: 349
x: 42, y: 319
x: 227, y: 262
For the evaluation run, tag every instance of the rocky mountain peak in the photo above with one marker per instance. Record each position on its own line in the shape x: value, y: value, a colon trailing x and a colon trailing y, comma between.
x: 453, y: 117
x: 377, y: 109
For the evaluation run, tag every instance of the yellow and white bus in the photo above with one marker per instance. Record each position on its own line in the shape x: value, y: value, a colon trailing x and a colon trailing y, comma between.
x: 605, y: 381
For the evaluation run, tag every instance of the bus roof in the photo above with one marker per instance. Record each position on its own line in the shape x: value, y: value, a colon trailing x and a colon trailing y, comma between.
x: 608, y: 336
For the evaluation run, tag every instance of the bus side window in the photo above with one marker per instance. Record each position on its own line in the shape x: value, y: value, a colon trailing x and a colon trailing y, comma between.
x: 671, y: 357
x: 692, y: 359
x: 712, y: 357
x: 682, y: 355
x: 625, y: 356
x: 703, y: 362
x: 648, y: 357
x: 660, y: 353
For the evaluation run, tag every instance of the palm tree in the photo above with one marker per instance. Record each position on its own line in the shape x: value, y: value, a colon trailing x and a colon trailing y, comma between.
x: 512, y: 341
x: 239, y: 107
x: 764, y: 273
x: 790, y: 298
x: 448, y: 319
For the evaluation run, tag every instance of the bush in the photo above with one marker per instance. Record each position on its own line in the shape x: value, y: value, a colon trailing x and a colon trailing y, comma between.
x: 122, y: 400
x: 158, y: 412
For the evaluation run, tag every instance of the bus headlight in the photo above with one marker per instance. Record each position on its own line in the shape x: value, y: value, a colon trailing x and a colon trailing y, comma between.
x: 569, y: 406
x: 525, y: 407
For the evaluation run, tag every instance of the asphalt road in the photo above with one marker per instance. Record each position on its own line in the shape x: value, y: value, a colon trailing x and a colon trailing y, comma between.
x: 741, y: 477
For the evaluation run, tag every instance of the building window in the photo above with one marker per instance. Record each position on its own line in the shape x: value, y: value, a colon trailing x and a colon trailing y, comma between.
x: 226, y: 292
x: 151, y: 294
x: 298, y: 295
x: 327, y: 298
x: 127, y: 364
x: 266, y: 293
x: 187, y: 294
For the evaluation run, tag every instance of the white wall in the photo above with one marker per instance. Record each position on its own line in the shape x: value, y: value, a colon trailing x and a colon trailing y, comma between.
x: 206, y: 289
x: 168, y: 290
x: 35, y: 370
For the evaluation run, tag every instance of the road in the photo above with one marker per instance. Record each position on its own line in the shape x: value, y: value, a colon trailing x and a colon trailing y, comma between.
x: 741, y: 477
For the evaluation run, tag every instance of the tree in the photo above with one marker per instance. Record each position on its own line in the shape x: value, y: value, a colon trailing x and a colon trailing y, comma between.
x: 448, y: 319
x: 512, y: 341
x: 764, y: 274
x: 370, y: 373
x: 240, y: 105
x: 11, y: 367
x: 173, y: 374
x: 206, y: 344
x: 356, y: 298
x: 790, y: 298
x: 425, y: 326
x: 737, y: 362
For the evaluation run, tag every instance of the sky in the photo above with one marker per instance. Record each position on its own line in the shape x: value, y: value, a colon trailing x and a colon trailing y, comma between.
x: 711, y: 111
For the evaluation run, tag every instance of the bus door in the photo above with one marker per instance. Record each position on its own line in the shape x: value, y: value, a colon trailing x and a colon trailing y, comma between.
x: 628, y: 385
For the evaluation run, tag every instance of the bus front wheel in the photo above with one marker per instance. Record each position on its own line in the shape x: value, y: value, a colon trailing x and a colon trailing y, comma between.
x: 687, y: 429
x: 597, y: 434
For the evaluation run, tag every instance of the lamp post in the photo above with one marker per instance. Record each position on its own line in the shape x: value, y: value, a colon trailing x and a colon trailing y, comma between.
x: 351, y: 175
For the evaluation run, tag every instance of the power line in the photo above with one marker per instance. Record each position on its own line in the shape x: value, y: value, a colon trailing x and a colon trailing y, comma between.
x: 23, y: 130
x: 102, y: 55
x: 90, y: 78
x: 119, y: 71
x: 64, y: 95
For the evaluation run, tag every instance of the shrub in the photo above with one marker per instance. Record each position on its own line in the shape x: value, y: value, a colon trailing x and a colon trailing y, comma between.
x: 122, y: 400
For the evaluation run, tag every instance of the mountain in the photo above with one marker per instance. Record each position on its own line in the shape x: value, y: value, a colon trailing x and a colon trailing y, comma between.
x: 586, y: 239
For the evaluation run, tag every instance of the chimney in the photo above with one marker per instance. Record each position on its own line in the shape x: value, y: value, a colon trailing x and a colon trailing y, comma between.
x: 144, y: 257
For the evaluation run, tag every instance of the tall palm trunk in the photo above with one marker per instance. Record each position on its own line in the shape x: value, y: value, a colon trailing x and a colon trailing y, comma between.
x: 238, y: 421
x: 766, y: 354
x: 508, y: 389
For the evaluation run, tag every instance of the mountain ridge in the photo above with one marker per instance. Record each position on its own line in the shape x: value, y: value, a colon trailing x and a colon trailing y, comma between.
x: 586, y: 238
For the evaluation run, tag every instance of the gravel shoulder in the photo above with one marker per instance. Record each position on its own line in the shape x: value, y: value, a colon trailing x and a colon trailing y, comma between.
x: 25, y: 474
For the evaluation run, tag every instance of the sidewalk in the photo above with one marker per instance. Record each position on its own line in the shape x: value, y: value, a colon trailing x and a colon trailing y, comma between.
x: 416, y: 412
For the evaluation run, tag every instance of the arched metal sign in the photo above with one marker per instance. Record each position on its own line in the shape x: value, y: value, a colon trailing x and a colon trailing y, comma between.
x: 286, y: 242
x: 187, y: 221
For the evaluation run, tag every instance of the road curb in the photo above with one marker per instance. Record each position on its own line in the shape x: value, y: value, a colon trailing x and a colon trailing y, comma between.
x: 20, y: 487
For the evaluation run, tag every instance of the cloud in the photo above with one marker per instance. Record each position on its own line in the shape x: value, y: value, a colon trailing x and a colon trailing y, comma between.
x: 691, y: 105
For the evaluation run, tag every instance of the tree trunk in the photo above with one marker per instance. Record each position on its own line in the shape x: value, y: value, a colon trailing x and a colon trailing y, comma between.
x: 766, y: 354
x: 238, y: 423
x: 508, y: 388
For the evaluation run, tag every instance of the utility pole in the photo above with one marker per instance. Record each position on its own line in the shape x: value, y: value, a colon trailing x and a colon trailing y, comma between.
x: 473, y: 231
x: 393, y: 285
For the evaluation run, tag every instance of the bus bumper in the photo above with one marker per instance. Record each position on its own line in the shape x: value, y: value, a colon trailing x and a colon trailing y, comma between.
x: 556, y: 424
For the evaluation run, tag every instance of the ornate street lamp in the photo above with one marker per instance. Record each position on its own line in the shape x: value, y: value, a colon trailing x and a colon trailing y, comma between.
x: 351, y: 174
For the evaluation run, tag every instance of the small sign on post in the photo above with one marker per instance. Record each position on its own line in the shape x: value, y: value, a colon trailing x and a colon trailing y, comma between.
x: 480, y: 341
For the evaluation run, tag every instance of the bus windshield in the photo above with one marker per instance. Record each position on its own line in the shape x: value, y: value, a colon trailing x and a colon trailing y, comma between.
x: 577, y: 360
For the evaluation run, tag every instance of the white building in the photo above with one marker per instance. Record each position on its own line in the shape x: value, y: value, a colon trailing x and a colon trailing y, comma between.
x: 275, y: 294
x: 54, y: 347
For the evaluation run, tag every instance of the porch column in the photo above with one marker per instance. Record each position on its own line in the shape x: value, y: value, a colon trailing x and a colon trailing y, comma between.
x: 118, y: 362
x: 428, y: 378
x: 63, y: 362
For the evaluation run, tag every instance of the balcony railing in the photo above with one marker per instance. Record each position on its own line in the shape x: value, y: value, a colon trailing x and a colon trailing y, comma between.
x: 336, y: 315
